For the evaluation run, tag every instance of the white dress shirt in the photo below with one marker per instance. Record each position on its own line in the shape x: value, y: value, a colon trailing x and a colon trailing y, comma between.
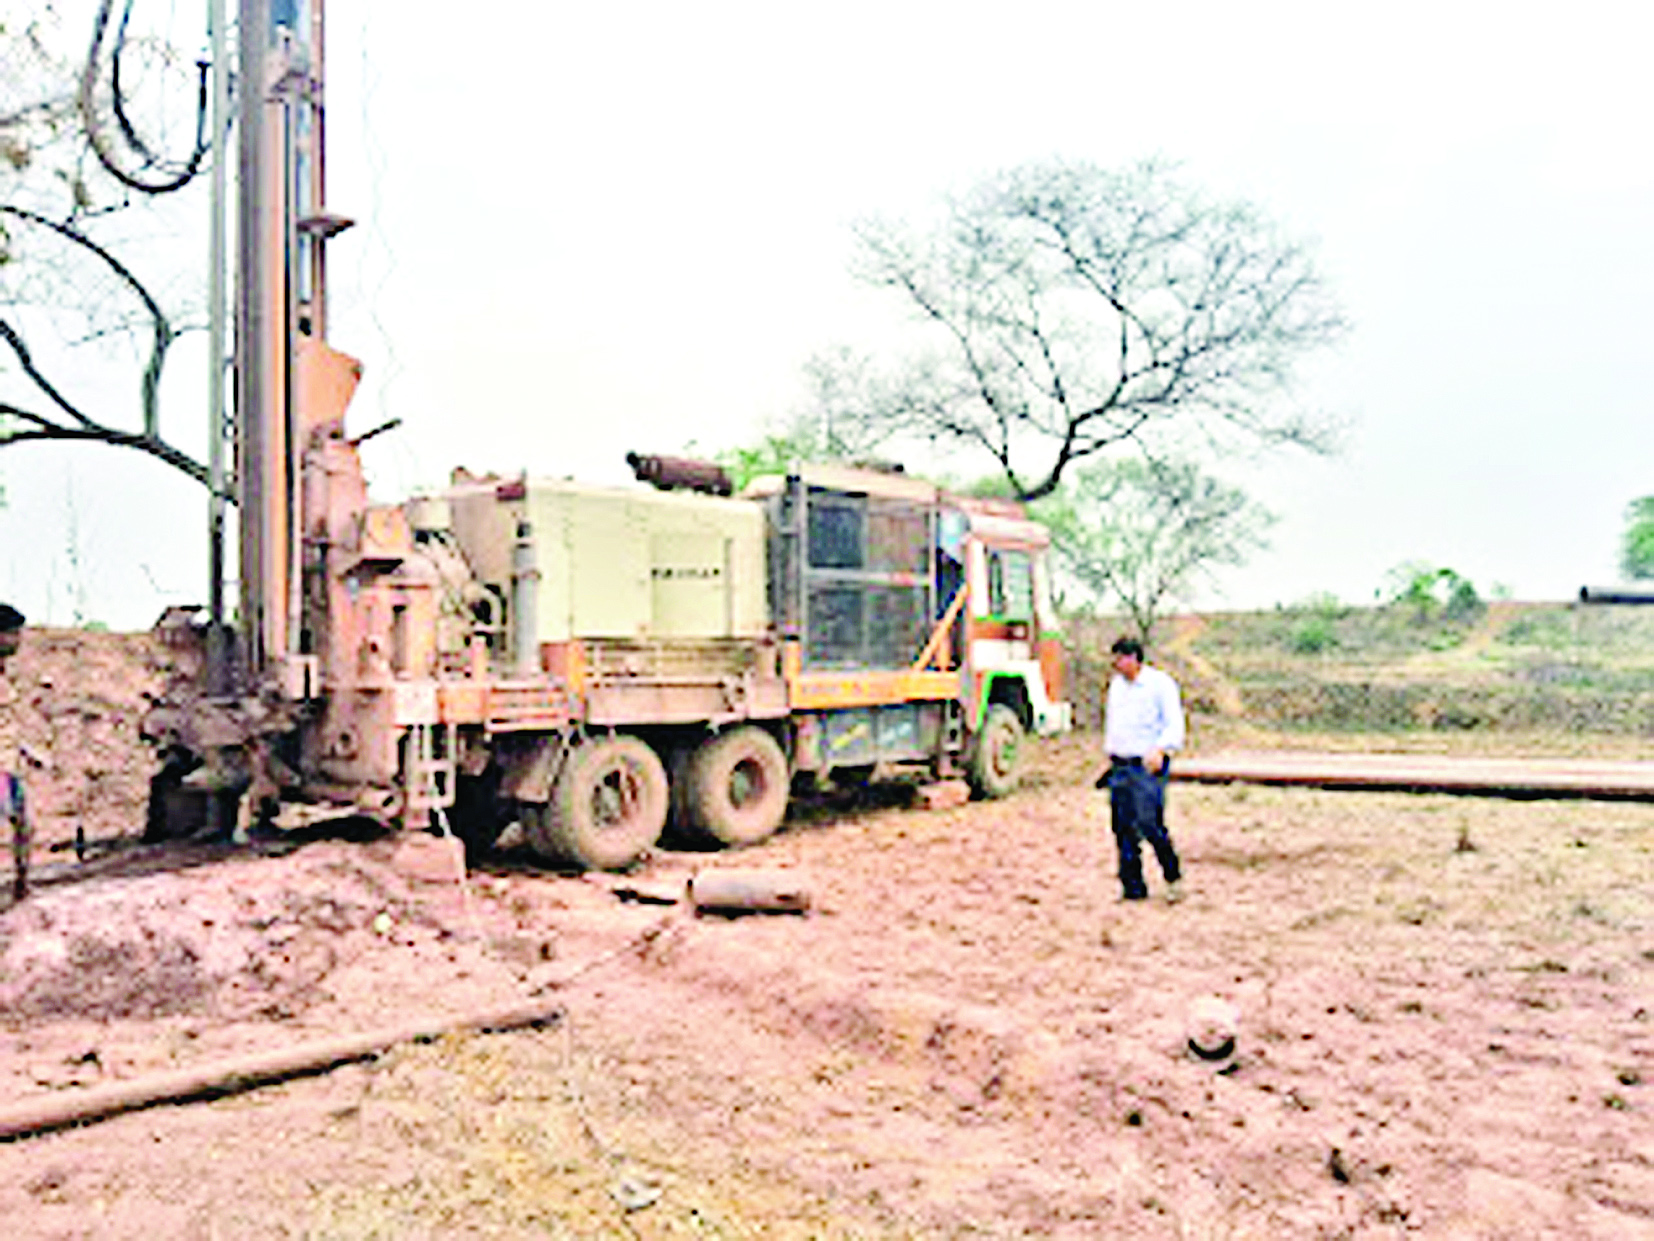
x: 1143, y: 715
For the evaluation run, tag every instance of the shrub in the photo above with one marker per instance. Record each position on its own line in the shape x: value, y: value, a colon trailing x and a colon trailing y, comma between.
x: 1312, y: 636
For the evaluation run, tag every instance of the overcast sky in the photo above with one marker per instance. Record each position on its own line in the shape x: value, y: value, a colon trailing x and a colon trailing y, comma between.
x: 595, y: 228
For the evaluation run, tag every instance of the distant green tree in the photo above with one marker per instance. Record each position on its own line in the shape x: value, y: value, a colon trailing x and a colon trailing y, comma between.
x: 1142, y: 532
x: 1433, y: 593
x: 1637, y: 544
x: 772, y: 454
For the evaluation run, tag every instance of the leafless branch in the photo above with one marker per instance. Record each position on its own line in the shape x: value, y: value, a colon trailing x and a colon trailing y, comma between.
x: 1078, y: 308
x: 61, y: 418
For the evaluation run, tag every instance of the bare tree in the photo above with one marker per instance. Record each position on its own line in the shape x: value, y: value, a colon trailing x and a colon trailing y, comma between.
x: 1143, y: 532
x: 94, y: 125
x: 1065, y: 308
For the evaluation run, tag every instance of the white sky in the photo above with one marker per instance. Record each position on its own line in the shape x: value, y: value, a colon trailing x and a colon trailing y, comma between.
x: 588, y: 229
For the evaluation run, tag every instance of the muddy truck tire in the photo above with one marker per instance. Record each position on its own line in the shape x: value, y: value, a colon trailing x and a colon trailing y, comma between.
x: 993, y: 767
x: 738, y: 787
x: 607, y: 808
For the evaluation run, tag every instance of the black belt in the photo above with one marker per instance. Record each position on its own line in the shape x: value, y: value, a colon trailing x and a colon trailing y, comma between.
x: 1115, y: 760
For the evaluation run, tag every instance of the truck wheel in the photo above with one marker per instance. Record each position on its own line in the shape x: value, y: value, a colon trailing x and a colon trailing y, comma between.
x: 607, y: 808
x: 993, y: 764
x: 738, y: 786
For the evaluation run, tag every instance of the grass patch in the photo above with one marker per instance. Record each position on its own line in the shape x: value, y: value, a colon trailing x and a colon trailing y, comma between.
x: 1511, y: 667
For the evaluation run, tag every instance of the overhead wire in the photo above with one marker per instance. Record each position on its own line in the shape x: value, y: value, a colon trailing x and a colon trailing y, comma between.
x: 405, y: 457
x: 200, y: 145
x: 172, y: 175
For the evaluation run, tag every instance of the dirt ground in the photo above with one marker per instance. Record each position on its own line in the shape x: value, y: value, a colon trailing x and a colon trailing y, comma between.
x: 1446, y: 1027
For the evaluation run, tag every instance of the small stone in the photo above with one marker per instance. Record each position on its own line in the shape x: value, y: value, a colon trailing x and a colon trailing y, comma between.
x: 942, y: 795
x: 1214, y: 1024
x: 1337, y: 1168
x: 634, y: 1192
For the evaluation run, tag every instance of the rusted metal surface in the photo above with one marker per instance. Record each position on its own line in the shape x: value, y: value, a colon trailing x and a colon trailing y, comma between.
x: 668, y: 473
x: 686, y: 700
x: 526, y: 706
x: 1492, y: 777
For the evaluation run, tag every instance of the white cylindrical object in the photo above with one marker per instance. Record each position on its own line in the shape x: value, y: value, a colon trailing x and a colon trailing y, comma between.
x: 525, y: 593
x: 755, y: 891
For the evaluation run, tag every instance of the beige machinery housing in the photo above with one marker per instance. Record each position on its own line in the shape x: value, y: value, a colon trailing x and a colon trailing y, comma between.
x: 613, y: 563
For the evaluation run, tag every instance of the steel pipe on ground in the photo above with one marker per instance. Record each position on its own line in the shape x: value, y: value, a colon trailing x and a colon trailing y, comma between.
x: 223, y: 1077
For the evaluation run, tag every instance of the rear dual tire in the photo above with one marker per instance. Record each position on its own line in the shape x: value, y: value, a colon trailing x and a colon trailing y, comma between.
x: 609, y: 804
x: 607, y: 808
x: 737, y: 786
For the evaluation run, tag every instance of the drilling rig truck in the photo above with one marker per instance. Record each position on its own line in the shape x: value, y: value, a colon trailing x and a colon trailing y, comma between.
x: 591, y: 662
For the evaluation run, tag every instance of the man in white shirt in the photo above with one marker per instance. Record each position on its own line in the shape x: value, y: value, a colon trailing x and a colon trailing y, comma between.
x: 1143, y: 729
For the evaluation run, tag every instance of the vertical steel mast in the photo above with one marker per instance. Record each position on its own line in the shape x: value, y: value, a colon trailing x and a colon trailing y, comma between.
x: 258, y: 379
x: 218, y: 427
x: 282, y: 230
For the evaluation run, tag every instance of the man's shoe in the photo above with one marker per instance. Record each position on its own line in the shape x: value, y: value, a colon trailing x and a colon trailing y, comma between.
x: 1174, y: 892
x: 1134, y: 896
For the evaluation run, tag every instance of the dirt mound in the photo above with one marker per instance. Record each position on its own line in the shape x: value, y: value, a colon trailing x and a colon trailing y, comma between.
x: 264, y: 941
x: 71, y: 702
x: 237, y: 936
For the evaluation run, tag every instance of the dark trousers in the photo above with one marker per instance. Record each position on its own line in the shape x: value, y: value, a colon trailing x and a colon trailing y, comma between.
x: 1137, y: 800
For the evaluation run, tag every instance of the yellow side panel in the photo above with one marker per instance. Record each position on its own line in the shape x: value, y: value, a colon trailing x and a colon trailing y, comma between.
x: 815, y: 690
